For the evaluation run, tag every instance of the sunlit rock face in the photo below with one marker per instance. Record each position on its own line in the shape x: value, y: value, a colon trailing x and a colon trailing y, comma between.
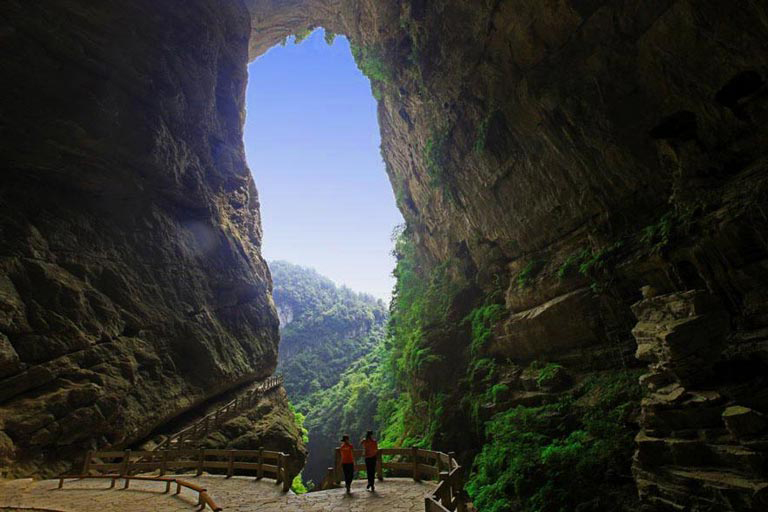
x: 131, y: 281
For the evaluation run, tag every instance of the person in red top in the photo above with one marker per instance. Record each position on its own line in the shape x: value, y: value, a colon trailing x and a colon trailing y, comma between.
x: 371, y: 448
x: 347, y: 461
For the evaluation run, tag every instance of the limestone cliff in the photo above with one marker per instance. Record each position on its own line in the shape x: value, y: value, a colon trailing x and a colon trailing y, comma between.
x: 131, y: 281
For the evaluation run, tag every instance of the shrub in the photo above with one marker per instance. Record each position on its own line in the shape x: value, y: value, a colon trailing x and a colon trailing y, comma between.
x: 371, y: 62
x: 301, y: 35
x: 552, y: 457
x: 483, y: 319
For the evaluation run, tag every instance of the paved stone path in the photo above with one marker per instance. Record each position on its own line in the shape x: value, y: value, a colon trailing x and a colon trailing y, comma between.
x: 237, y: 494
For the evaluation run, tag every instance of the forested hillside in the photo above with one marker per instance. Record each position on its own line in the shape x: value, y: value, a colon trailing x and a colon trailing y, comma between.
x: 332, y: 343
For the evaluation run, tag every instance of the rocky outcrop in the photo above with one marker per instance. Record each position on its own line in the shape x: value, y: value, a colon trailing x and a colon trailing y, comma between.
x: 704, y: 440
x: 131, y: 281
x: 271, y: 425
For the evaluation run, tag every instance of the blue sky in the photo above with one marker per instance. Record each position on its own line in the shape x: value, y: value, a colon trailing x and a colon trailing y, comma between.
x: 312, y: 141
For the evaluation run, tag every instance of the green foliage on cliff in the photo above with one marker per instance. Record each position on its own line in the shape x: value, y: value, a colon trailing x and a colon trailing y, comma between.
x: 436, y: 157
x: 556, y: 456
x: 370, y: 60
x: 324, y: 328
x: 298, y: 486
x: 301, y: 35
x: 482, y: 320
x: 410, y: 417
x: 547, y: 374
x: 351, y: 405
x: 529, y: 272
x: 299, y: 419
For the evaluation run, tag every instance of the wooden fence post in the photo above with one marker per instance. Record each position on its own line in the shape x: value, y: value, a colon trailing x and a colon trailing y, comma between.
x: 180, y: 441
x: 201, y: 462
x: 164, y: 463
x: 87, y: 462
x: 231, y: 464
x: 279, y: 475
x: 126, y: 462
x: 415, y: 456
x: 379, y: 467
x: 451, y: 458
x: 287, y: 476
x: 337, y: 465
x: 445, y: 489
x: 260, y: 469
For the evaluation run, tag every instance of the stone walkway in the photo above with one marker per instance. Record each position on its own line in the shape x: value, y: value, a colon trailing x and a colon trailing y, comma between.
x: 237, y: 494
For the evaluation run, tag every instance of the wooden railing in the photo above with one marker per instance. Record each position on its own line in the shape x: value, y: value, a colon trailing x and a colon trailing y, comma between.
x: 203, y: 498
x: 448, y: 496
x: 202, y: 427
x: 260, y: 463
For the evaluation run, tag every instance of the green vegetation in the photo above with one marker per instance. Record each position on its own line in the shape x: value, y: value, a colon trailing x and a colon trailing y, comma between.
x: 298, y: 486
x: 411, y: 414
x: 324, y: 328
x: 329, y: 37
x: 299, y: 419
x: 660, y: 234
x: 436, y: 158
x: 482, y: 320
x: 547, y: 374
x: 529, y: 272
x: 590, y: 263
x: 556, y: 456
x: 370, y: 60
x: 301, y: 35
x: 593, y: 261
x: 332, y: 342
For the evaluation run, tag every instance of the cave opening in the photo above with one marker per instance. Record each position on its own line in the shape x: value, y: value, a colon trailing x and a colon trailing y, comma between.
x: 312, y: 142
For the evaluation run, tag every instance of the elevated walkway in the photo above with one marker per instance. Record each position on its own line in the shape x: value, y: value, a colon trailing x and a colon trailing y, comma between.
x: 119, y: 488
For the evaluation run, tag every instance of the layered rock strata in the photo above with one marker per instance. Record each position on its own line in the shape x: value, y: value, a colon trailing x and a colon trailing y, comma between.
x: 703, y: 423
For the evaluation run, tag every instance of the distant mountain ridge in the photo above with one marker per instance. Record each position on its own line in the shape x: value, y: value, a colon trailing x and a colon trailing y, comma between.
x: 324, y: 327
x: 331, y: 342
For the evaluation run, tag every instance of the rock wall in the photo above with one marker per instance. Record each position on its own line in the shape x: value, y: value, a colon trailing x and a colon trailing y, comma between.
x: 701, y: 425
x: 131, y: 281
x: 572, y: 153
